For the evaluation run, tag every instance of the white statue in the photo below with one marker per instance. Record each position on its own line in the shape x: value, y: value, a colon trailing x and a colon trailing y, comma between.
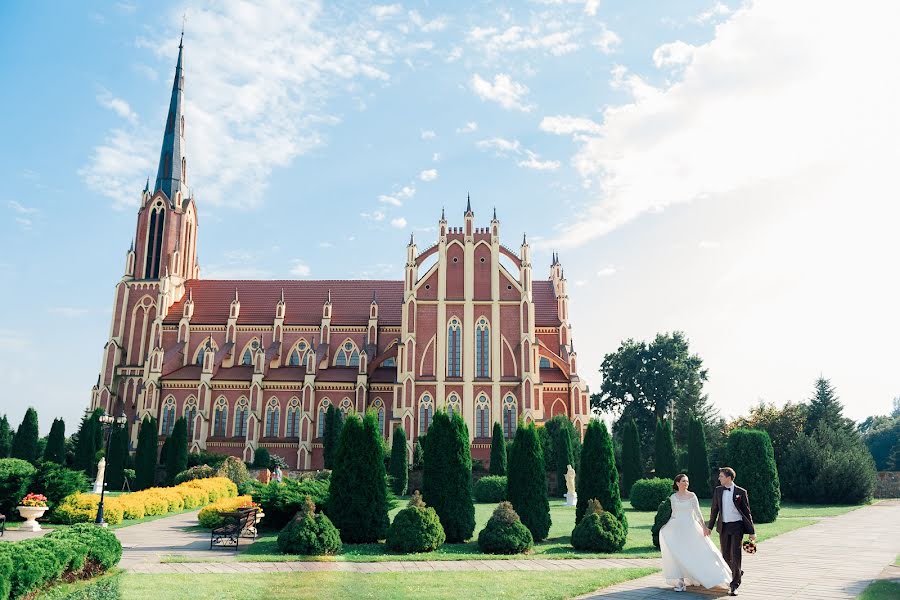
x: 98, y: 483
x: 571, y: 494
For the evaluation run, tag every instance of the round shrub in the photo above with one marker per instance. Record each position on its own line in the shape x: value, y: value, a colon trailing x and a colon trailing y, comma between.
x: 751, y: 455
x: 505, y: 533
x: 416, y: 528
x: 663, y: 514
x: 6, y: 570
x: 15, y: 477
x: 198, y: 472
x: 309, y: 533
x: 646, y: 494
x: 598, y: 531
x: 103, y: 547
x: 234, y: 469
x: 490, y: 489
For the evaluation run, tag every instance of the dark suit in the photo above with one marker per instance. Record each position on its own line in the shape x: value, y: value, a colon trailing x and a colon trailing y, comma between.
x: 732, y: 534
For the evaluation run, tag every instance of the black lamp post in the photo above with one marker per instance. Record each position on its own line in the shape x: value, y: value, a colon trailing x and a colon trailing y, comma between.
x: 107, y: 422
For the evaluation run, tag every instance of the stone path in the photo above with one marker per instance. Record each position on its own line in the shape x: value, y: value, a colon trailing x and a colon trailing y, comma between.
x: 835, y: 558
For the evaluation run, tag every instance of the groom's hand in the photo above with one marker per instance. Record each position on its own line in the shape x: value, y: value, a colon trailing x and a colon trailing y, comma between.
x: 752, y: 537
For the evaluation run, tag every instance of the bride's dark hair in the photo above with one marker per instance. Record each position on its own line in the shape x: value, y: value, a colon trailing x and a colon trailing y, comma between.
x: 678, y: 478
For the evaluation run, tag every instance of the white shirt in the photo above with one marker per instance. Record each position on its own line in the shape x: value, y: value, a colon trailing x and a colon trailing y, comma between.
x: 730, y: 513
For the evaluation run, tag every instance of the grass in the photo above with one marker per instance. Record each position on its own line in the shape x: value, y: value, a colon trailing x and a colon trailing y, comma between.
x: 548, y: 585
x: 882, y: 589
x: 637, y: 545
x: 104, y: 586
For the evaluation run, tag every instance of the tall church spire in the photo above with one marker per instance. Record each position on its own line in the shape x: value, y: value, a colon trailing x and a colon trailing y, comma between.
x: 171, y: 177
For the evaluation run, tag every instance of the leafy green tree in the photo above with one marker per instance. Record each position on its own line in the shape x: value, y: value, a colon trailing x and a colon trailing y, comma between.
x: 526, y: 486
x: 118, y: 455
x: 447, y: 476
x: 25, y: 442
x: 599, y: 478
x: 176, y: 458
x: 698, y: 461
x: 498, y: 451
x: 358, y: 495
x: 145, y: 455
x: 55, y: 450
x: 632, y: 463
x: 399, y: 462
x: 565, y: 456
x: 664, y: 457
x: 6, y: 436
x: 750, y: 454
x: 825, y: 408
x: 782, y: 424
x: 331, y: 435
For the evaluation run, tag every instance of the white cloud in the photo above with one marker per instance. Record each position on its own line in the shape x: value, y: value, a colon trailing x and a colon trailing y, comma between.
x: 117, y: 105
x: 326, y: 245
x: 607, y: 271
x: 504, y: 91
x: 436, y: 156
x: 392, y: 200
x: 386, y: 11
x: 428, y: 135
x: 708, y: 244
x: 533, y: 161
x: 468, y: 127
x: 607, y: 40
x: 437, y: 24
x: 500, y: 145
x: 24, y: 223
x: 591, y: 6
x: 565, y: 125
x: 299, y: 268
x: 399, y: 222
x: 495, y: 42
x: 504, y: 147
x: 675, y: 53
x: 717, y: 10
x: 118, y: 166
x: 376, y: 215
x: 428, y: 175
x: 21, y: 209
x: 454, y: 55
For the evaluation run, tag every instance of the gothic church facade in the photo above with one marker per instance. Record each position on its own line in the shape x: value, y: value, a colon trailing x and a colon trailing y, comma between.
x: 254, y: 364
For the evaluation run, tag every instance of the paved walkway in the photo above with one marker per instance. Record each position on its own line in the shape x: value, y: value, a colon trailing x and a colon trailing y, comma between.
x: 835, y: 558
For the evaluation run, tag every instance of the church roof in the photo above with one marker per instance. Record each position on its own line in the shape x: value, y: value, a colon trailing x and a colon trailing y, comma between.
x: 546, y: 313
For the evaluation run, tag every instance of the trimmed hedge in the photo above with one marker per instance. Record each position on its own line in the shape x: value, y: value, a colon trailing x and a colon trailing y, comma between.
x: 526, y: 485
x: 646, y: 494
x: 57, y: 482
x: 632, y: 463
x: 309, y: 533
x: 399, y: 464
x: 198, y: 472
x: 282, y: 501
x: 505, y: 533
x: 598, y: 531
x: 15, y: 477
x: 599, y: 478
x: 663, y: 514
x: 491, y: 488
x: 751, y: 456
x: 447, y: 475
x: 498, y: 452
x: 664, y: 458
x: 416, y: 528
x: 210, y: 516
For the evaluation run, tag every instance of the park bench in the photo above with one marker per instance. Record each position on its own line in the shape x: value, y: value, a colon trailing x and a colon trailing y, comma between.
x: 236, y: 524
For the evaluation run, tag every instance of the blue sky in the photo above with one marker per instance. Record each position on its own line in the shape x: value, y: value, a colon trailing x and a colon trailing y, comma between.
x: 719, y: 168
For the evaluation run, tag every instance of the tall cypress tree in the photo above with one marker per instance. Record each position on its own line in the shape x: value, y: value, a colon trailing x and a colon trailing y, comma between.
x: 666, y: 466
x: 632, y: 463
x: 498, y: 451
x: 89, y: 443
x: 6, y: 436
x: 599, y: 478
x: 331, y: 436
x: 25, y: 442
x: 698, y: 460
x: 753, y: 459
x: 55, y: 450
x: 176, y: 458
x: 118, y: 454
x: 526, y: 486
x: 357, y: 499
x: 565, y: 456
x: 145, y: 456
x: 399, y: 462
x: 447, y: 476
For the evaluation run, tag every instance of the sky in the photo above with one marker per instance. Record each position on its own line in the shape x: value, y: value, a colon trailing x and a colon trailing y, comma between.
x: 726, y: 169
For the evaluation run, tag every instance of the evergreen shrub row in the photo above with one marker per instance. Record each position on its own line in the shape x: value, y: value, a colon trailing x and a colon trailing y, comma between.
x: 646, y: 494
x: 491, y: 488
x: 281, y: 501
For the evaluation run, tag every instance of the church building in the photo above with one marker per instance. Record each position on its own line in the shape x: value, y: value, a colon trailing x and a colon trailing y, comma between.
x: 253, y: 364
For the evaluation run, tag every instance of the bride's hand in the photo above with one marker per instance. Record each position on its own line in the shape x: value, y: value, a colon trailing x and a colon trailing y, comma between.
x: 706, y: 531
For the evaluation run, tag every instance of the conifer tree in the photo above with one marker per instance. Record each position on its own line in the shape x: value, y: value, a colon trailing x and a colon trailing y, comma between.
x: 825, y: 407
x: 55, y: 450
x: 447, y: 476
x: 88, y: 443
x: 176, y: 458
x: 25, y: 441
x: 632, y: 463
x: 666, y: 467
x: 751, y: 455
x: 399, y: 462
x: 145, y: 456
x: 6, y: 436
x: 357, y: 500
x: 331, y: 435
x: 565, y: 456
x: 698, y: 460
x: 498, y: 451
x: 526, y: 486
x: 118, y: 454
x: 599, y: 478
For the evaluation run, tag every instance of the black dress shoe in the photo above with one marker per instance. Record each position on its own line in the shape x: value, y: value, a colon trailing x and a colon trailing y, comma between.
x: 732, y: 593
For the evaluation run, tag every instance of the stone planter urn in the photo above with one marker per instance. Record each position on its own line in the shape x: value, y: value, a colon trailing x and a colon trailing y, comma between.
x: 30, y: 513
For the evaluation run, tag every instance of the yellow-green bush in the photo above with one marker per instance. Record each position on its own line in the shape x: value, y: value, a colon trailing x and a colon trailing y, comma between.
x: 132, y: 508
x: 82, y: 508
x: 209, y: 516
x: 215, y: 487
x: 192, y: 497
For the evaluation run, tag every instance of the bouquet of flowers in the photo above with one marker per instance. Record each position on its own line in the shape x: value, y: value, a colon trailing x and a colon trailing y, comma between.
x: 749, y: 547
x: 34, y: 500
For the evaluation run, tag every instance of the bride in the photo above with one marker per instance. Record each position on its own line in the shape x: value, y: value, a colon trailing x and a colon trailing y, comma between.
x: 688, y: 555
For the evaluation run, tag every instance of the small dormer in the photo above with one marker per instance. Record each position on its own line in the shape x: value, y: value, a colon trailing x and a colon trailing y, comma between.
x: 363, y: 362
x: 259, y: 358
x: 326, y: 308
x: 208, y: 357
x: 188, y: 312
x: 129, y: 261
x: 279, y: 308
x: 442, y: 227
x: 495, y: 227
x: 469, y: 217
x: 235, y: 306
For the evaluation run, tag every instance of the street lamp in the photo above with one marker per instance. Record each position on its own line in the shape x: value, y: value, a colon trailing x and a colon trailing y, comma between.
x: 108, y: 422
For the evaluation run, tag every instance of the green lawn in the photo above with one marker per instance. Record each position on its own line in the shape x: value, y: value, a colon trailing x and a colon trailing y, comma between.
x: 637, y: 545
x: 536, y: 585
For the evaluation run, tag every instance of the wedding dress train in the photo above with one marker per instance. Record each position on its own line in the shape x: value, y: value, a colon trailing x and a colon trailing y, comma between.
x: 686, y: 553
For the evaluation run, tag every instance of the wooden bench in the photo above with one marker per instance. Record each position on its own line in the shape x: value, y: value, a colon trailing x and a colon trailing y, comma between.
x: 236, y: 524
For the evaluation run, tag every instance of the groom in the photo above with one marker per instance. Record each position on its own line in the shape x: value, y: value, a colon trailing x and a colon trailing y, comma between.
x: 731, y: 515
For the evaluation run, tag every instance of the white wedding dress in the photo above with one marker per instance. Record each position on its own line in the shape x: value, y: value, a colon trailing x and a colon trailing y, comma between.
x: 688, y: 554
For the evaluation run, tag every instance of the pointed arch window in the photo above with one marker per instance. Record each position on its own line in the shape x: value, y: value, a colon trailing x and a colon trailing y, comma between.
x: 292, y: 426
x: 298, y: 355
x: 168, y: 416
x: 378, y: 407
x: 220, y: 417
x: 482, y: 348
x: 205, y: 346
x: 454, y: 334
x: 323, y: 408
x: 482, y: 417
x: 426, y: 411
x: 347, y: 356
x: 190, y: 414
x: 510, y: 417
x: 273, y: 415
x: 154, y: 241
x: 453, y: 406
x: 247, y: 357
x: 240, y: 418
x: 346, y: 407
